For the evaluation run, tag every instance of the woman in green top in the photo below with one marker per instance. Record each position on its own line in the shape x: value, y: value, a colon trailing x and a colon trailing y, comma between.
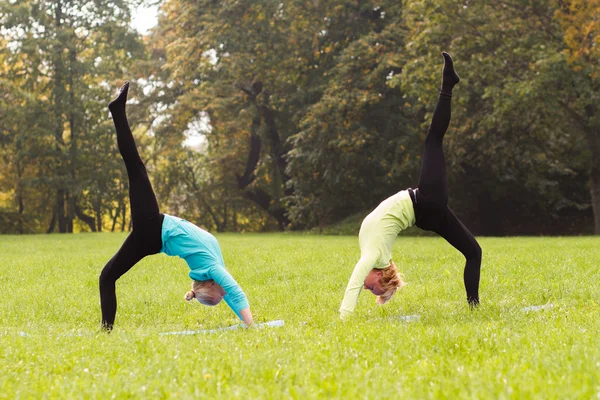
x: 426, y: 206
x: 154, y: 232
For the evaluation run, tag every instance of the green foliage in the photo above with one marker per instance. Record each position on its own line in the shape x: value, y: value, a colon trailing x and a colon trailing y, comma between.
x: 62, y: 60
x: 515, y: 142
x: 188, y: 185
x: 310, y: 112
x: 498, y: 351
x: 354, y: 142
x: 353, y: 92
x: 232, y: 74
x: 276, y: 73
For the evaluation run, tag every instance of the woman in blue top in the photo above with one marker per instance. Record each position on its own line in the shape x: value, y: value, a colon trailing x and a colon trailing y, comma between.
x: 154, y: 232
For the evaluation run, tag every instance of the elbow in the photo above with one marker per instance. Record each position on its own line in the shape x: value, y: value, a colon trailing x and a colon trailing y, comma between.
x: 240, y: 299
x: 243, y: 304
x: 238, y: 302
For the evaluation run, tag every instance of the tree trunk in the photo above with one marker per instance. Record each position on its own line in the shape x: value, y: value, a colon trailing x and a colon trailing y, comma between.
x: 20, y: 202
x: 60, y: 209
x: 114, y: 217
x: 74, y: 125
x: 21, y: 227
x: 234, y: 218
x: 52, y: 222
x: 85, y: 218
x: 257, y: 195
x: 595, y: 192
x: 277, y: 151
x: 593, y: 137
x: 58, y: 98
x: 124, y: 215
x: 70, y: 211
x: 595, y: 184
x: 202, y: 203
x: 263, y: 200
x: 225, y: 219
x: 211, y: 212
x: 98, y: 212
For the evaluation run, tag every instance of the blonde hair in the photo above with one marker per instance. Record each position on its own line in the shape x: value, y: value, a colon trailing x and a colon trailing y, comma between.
x: 201, y: 290
x: 390, y: 281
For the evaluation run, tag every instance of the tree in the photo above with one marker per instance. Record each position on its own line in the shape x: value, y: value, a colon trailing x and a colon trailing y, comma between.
x: 356, y: 146
x: 256, y: 68
x: 231, y: 72
x: 511, y: 142
x: 17, y: 117
x: 67, y: 50
x: 579, y: 19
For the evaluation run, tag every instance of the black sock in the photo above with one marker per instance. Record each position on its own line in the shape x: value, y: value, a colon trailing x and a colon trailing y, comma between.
x: 449, y: 76
x: 118, y: 104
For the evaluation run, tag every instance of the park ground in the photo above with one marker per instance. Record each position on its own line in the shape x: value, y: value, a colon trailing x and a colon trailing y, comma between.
x: 535, y: 335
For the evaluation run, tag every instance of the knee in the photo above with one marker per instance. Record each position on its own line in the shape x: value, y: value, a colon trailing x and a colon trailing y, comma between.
x: 432, y: 140
x: 478, y: 251
x: 135, y: 165
x: 475, y: 253
x: 106, y: 278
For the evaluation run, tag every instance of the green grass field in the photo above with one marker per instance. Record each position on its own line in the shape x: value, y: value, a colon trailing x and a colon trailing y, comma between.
x: 51, y: 347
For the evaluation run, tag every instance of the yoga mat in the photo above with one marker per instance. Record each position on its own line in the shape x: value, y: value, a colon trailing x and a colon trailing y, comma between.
x: 409, y: 318
x: 275, y: 323
x: 537, y: 308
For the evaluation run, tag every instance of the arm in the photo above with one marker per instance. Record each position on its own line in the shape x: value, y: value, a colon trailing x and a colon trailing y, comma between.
x: 247, y: 316
x: 356, y: 283
x: 234, y: 296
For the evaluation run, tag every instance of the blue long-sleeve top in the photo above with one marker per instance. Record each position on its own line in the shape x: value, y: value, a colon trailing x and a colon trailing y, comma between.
x: 203, y: 255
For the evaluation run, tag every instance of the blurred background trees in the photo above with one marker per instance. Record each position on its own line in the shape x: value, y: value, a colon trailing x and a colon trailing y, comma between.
x: 59, y: 63
x: 273, y: 115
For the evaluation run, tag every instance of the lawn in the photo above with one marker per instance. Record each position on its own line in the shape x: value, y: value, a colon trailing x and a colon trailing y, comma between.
x: 50, y: 344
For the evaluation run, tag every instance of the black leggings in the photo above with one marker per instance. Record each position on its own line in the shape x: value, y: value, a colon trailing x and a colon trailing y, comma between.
x: 146, y: 236
x: 431, y: 200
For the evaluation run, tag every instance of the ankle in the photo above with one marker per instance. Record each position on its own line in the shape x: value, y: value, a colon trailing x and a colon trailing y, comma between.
x: 118, y: 104
x: 116, y: 107
x: 449, y: 75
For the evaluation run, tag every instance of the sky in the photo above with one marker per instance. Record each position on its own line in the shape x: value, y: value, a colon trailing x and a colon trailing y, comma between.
x: 144, y: 18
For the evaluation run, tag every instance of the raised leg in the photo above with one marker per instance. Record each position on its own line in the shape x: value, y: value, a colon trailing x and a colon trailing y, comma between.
x: 141, y: 195
x: 433, y: 182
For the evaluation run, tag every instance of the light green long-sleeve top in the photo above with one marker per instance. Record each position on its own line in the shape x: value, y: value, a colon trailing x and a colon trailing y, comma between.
x: 376, y: 240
